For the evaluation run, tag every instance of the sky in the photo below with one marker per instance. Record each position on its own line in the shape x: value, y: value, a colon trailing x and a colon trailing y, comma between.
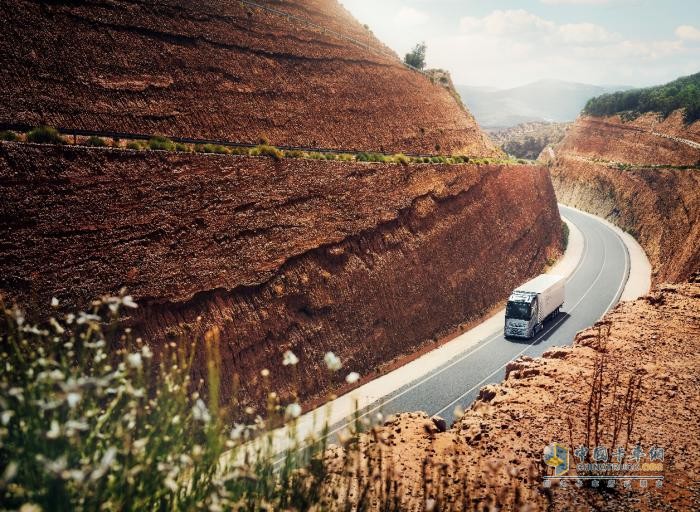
x: 506, y: 43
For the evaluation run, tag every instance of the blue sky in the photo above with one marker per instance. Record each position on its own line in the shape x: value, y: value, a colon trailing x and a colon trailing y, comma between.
x: 505, y: 43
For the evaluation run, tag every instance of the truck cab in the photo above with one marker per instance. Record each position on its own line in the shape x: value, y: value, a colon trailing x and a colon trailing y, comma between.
x: 533, y: 303
x: 521, y: 315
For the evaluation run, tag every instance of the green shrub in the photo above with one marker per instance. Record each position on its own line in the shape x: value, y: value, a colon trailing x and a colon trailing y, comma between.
x: 330, y: 156
x: 265, y: 150
x: 564, y: 235
x: 8, y: 135
x: 314, y: 155
x: 294, y: 153
x: 362, y: 157
x: 435, y: 160
x: 95, y: 141
x: 132, y: 144
x: 239, y: 150
x: 184, y: 148
x: 45, y: 135
x: 346, y: 157
x: 402, y: 159
x: 161, y: 143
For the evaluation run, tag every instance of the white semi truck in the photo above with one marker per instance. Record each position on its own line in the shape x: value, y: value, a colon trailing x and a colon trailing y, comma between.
x: 532, y: 304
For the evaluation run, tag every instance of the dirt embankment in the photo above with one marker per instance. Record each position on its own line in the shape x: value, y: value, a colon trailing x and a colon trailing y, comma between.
x: 222, y: 70
x: 367, y: 260
x: 641, y: 175
x: 650, y: 352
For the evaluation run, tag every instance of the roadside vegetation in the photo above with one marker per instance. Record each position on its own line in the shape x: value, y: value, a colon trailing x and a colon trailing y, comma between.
x: 92, y: 418
x: 48, y: 135
x: 683, y: 93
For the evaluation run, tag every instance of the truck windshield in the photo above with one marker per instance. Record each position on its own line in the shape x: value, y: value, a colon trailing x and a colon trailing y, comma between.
x: 519, y: 310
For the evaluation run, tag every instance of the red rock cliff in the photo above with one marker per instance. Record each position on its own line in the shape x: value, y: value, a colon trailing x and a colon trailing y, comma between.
x: 643, y: 176
x: 222, y: 70
x: 367, y: 260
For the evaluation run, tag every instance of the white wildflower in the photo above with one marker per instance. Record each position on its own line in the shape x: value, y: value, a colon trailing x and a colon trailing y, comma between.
x: 56, y: 326
x: 171, y: 484
x: 146, y: 352
x: 289, y: 358
x: 135, y: 360
x: 128, y: 301
x: 70, y: 317
x: 55, y: 430
x: 200, y: 411
x: 332, y: 361
x: 72, y: 399
x: 76, y: 425
x: 10, y: 472
x: 73, y: 474
x: 265, y: 372
x: 140, y: 444
x: 293, y: 411
x: 429, y: 505
x: 87, y: 318
x: 6, y: 417
x: 56, y: 375
x: 175, y: 420
x: 105, y: 463
x: 237, y: 431
x: 352, y: 377
x: 56, y: 466
x: 30, y: 507
x: 54, y: 302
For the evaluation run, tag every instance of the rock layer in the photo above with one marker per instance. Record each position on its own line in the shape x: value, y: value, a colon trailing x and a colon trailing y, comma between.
x: 642, y: 176
x: 223, y: 70
x: 367, y: 260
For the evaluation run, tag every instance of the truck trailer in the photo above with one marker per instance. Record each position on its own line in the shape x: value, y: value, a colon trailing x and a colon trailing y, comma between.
x: 532, y: 304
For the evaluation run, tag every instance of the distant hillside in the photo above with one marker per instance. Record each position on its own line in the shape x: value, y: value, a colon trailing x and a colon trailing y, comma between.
x: 527, y: 140
x: 545, y: 100
x: 682, y: 93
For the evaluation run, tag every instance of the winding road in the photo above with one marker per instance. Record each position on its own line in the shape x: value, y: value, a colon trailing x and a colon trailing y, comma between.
x: 596, y: 280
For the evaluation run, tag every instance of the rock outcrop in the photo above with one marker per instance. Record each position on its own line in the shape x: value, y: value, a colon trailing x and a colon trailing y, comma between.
x: 646, y: 352
x: 307, y: 75
x: 366, y: 260
x: 643, y: 176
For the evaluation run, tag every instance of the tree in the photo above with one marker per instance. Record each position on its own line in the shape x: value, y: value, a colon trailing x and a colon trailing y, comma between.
x: 416, y: 57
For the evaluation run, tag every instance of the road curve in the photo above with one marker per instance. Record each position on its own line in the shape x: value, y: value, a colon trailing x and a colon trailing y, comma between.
x: 594, y: 287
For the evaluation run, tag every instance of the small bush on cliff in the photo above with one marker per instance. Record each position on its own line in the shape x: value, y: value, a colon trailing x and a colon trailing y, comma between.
x: 183, y: 148
x: 265, y: 150
x: 95, y: 141
x: 161, y: 143
x: 45, y: 135
x: 132, y: 144
x: 294, y: 153
x: 8, y: 135
x: 416, y: 57
x: 564, y: 235
x: 402, y: 159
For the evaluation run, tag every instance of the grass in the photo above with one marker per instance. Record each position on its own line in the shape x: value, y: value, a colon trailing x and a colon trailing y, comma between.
x: 97, y: 142
x: 45, y: 135
x: 564, y: 235
x: 8, y: 135
x: 161, y: 143
x: 92, y: 418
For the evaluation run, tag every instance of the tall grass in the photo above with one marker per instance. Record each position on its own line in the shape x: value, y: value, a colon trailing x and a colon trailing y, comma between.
x: 93, y: 418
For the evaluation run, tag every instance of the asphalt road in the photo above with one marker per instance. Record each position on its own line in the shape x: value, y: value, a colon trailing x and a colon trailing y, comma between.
x: 592, y: 289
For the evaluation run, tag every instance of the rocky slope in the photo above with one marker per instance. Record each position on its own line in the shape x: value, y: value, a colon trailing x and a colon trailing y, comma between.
x: 222, y: 70
x: 367, y: 260
x: 645, y: 356
x: 642, y: 175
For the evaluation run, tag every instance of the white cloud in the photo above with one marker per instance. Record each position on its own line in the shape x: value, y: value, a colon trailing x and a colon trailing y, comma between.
x: 520, y: 24
x: 688, y: 33
x: 411, y: 17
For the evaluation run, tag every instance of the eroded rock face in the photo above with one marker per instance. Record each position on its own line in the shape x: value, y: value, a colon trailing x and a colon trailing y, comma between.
x: 494, y: 451
x: 222, y: 70
x: 369, y: 261
x: 634, y: 175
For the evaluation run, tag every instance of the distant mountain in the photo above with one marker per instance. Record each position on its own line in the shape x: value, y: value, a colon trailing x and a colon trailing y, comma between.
x: 545, y: 100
